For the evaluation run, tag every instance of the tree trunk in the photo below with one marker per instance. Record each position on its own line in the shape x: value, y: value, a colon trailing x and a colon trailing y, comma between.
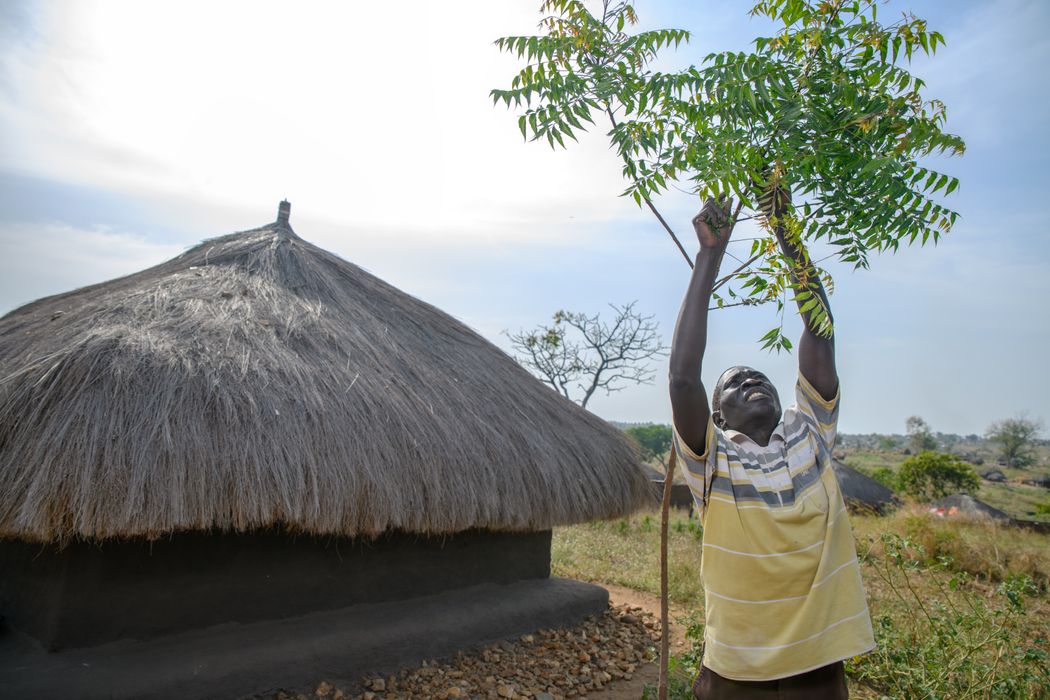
x: 665, y: 644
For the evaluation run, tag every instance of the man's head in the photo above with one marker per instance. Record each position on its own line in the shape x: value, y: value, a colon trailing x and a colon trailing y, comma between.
x: 744, y: 399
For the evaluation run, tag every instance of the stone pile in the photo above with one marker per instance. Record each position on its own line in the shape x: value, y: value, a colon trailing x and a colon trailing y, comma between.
x: 547, y: 665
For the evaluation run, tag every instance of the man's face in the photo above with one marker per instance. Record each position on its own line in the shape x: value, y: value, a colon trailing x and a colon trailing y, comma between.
x: 746, y: 398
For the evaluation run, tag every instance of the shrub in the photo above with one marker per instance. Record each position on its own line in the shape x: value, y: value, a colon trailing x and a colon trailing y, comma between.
x: 887, y: 477
x: 930, y: 475
x: 957, y: 642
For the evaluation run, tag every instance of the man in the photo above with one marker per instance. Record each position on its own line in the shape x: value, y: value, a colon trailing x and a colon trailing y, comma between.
x: 784, y: 598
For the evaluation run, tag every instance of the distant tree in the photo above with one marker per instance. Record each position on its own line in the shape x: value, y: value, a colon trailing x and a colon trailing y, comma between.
x: 887, y: 442
x: 653, y: 440
x: 920, y: 438
x: 1015, y: 437
x: 931, y: 475
x: 579, y: 354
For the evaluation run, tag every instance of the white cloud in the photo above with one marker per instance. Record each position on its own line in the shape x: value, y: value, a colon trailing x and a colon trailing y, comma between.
x: 367, y: 113
x: 40, y: 259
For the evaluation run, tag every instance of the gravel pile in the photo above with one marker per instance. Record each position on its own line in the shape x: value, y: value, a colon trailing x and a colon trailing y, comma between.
x: 548, y: 665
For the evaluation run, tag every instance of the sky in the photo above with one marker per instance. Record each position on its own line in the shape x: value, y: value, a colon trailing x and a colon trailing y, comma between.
x: 130, y: 131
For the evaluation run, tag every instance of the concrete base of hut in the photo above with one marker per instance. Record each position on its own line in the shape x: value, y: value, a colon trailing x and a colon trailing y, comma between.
x: 340, y: 646
x: 226, y: 614
x: 86, y: 593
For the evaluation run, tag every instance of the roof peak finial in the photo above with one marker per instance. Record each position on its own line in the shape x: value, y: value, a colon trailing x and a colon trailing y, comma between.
x: 284, y: 212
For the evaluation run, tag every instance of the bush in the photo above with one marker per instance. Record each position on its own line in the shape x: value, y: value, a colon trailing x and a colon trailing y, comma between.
x: 930, y: 475
x: 957, y: 641
x: 887, y: 477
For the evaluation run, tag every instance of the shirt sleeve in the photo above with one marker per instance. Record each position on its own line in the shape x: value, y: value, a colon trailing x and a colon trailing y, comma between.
x: 821, y: 414
x: 698, y: 470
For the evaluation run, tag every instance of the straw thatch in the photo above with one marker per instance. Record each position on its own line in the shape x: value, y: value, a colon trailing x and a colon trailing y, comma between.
x: 258, y: 380
x: 860, y: 491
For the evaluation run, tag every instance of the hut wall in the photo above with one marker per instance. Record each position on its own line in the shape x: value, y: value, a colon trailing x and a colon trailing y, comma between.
x: 88, y: 593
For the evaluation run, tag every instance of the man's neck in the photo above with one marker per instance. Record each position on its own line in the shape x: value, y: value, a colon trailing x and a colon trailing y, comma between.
x: 759, y: 433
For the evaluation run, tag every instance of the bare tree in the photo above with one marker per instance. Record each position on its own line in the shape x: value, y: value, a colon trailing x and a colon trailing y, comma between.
x: 579, y: 354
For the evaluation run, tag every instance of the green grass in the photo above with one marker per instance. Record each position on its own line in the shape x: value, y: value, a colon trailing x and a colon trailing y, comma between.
x: 868, y: 462
x: 1018, y: 500
x: 627, y: 553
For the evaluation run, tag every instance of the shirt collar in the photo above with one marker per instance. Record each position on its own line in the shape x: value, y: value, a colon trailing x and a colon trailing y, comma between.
x: 740, y: 438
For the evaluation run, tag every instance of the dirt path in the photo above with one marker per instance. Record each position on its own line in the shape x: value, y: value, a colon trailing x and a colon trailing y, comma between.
x: 647, y: 673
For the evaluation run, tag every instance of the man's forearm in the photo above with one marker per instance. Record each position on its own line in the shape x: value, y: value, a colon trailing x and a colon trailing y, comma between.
x: 816, y: 351
x: 690, y: 334
x: 805, y: 278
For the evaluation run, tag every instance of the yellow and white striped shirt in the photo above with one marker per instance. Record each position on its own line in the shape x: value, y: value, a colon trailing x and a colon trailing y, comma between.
x: 779, y: 567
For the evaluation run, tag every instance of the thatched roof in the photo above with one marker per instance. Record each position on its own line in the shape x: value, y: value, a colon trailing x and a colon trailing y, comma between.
x: 963, y: 505
x: 258, y: 380
x: 861, y: 491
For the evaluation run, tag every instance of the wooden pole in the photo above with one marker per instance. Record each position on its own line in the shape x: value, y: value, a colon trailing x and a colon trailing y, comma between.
x: 665, y: 632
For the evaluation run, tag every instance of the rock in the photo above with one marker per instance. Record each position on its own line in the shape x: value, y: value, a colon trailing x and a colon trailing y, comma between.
x: 546, y: 665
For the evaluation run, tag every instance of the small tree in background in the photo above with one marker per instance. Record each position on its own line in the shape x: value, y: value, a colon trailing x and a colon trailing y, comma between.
x: 920, y: 438
x: 579, y: 354
x: 1015, y: 437
x: 931, y: 475
x: 653, y: 440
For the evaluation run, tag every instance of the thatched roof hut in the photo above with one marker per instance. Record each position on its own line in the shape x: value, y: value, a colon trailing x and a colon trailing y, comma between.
x: 258, y: 431
x: 257, y: 379
x: 861, y: 492
x: 963, y: 505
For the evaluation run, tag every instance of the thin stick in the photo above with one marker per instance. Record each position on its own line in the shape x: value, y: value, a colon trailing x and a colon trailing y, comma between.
x: 657, y: 214
x: 665, y: 639
x: 737, y: 271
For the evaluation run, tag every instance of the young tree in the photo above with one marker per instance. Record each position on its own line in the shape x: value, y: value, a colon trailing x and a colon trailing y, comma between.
x: 920, y: 438
x: 1015, y: 437
x: 930, y: 475
x: 579, y: 354
x: 653, y: 440
x: 824, y: 107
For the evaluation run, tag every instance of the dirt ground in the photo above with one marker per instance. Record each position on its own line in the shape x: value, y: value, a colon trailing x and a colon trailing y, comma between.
x: 649, y: 673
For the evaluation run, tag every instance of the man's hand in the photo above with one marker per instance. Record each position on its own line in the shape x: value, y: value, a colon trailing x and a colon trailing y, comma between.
x: 714, y: 224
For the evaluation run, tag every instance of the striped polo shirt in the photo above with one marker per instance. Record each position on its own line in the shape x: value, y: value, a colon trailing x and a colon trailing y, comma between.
x: 779, y: 567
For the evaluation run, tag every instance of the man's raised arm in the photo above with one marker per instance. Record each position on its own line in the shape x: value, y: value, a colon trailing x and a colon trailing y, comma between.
x: 816, y: 353
x: 713, y: 226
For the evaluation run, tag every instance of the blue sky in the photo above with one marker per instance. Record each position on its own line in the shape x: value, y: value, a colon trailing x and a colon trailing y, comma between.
x: 130, y: 131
